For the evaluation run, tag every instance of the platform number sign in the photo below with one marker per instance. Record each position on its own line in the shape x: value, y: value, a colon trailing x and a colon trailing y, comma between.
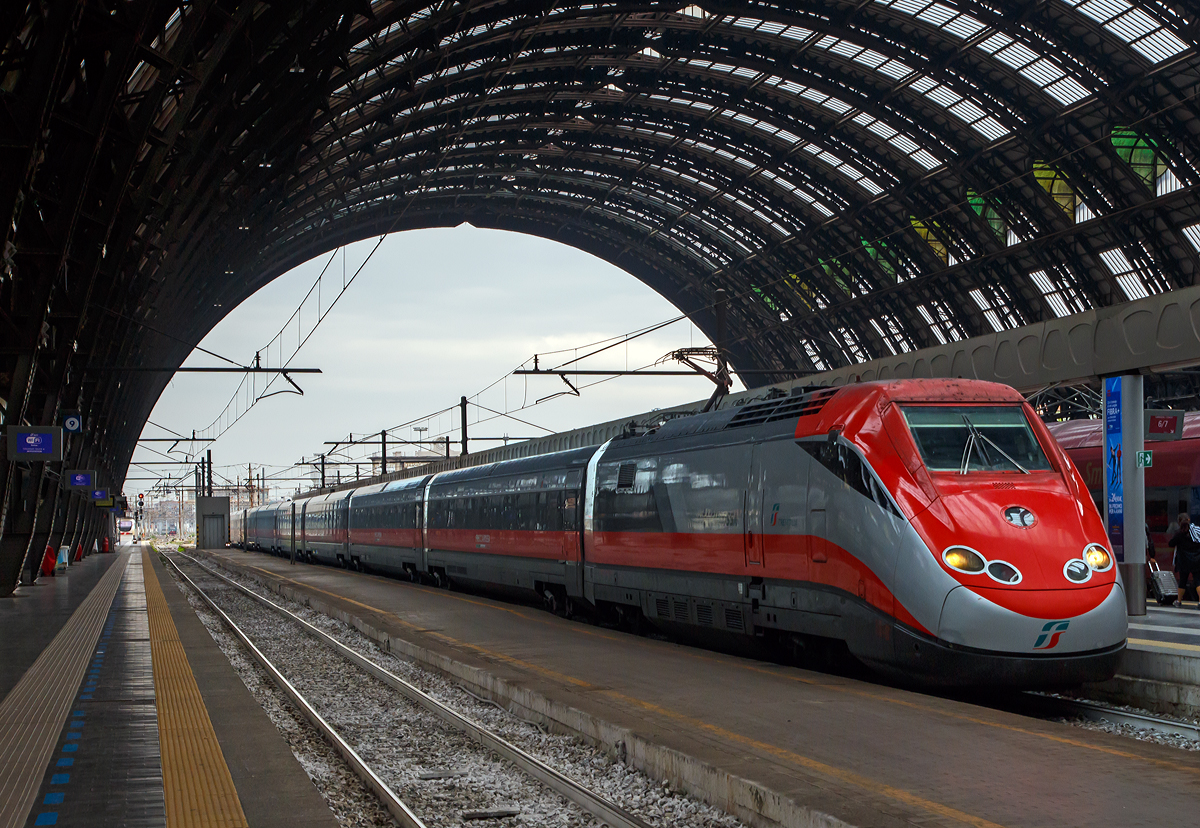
x: 72, y: 422
x: 1145, y: 459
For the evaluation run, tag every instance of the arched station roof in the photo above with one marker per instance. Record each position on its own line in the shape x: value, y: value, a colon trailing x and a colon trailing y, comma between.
x: 862, y: 177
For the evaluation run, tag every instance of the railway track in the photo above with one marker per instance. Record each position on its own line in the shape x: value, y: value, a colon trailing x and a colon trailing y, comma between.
x: 1060, y: 707
x: 407, y: 814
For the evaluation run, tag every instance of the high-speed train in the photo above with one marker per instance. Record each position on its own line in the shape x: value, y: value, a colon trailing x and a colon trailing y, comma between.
x: 933, y: 526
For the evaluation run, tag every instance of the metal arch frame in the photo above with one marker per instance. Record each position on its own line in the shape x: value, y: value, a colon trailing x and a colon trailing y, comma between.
x: 128, y: 175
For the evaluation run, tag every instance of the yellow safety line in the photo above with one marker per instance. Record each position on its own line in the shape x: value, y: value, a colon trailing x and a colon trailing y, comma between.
x: 1170, y: 645
x: 197, y: 786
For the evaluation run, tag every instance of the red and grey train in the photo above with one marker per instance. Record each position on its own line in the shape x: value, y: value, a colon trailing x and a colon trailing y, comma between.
x: 933, y: 526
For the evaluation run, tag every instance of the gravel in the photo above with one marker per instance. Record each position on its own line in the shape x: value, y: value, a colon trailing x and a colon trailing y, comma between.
x: 403, y: 742
x: 1141, y: 734
x: 1144, y: 734
x: 352, y: 803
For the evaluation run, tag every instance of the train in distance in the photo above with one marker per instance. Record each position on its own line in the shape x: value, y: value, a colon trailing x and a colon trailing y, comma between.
x: 934, y: 527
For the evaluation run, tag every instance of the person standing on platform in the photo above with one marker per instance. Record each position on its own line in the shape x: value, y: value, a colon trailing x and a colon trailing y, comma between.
x: 1186, y: 543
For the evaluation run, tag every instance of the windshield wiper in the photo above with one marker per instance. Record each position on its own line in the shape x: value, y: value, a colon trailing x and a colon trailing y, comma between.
x: 978, y: 438
x: 966, y: 457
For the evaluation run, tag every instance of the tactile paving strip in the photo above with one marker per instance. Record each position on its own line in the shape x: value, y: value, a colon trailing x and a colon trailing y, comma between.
x: 197, y: 785
x: 33, y: 713
x: 106, y: 770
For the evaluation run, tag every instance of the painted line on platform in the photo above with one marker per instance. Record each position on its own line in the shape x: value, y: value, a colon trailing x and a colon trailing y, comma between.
x: 1146, y: 642
x: 1162, y: 628
x: 197, y: 786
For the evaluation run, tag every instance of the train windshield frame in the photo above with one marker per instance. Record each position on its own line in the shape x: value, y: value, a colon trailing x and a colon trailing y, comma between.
x: 968, y: 439
x: 125, y: 526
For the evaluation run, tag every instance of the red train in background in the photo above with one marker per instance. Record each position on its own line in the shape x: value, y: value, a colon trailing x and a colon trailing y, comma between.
x: 1172, y: 482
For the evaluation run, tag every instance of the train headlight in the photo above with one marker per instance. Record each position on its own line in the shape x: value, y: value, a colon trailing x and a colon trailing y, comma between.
x: 1097, y: 557
x: 963, y: 559
x: 1004, y: 572
x: 1077, y: 571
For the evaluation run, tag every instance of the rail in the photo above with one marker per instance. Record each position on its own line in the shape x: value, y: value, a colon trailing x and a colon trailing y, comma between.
x: 590, y: 801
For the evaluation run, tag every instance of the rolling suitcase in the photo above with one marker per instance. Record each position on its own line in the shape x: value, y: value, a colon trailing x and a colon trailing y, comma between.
x: 1163, y: 584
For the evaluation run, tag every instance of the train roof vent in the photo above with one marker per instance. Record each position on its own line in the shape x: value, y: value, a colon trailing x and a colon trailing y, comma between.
x: 785, y: 408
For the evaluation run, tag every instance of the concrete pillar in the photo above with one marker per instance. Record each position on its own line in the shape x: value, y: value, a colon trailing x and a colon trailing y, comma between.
x: 1124, y: 484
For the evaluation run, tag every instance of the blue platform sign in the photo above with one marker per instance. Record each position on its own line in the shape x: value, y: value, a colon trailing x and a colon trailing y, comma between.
x: 1114, y: 486
x: 41, y: 444
x: 99, y: 494
x: 81, y: 479
x: 34, y: 443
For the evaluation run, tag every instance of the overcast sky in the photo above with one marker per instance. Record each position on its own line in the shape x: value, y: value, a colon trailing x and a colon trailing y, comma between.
x: 434, y: 315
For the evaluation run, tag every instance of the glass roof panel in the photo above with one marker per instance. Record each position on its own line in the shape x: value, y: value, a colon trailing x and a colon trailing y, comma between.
x: 941, y: 322
x: 1193, y: 235
x: 1135, y: 26
x: 1027, y: 61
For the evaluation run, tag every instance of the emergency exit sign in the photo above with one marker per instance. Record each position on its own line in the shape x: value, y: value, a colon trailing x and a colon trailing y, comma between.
x: 1145, y: 459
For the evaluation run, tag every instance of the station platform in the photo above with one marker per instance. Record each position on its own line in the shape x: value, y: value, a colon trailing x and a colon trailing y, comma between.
x: 1170, y: 630
x: 769, y: 743
x: 119, y: 709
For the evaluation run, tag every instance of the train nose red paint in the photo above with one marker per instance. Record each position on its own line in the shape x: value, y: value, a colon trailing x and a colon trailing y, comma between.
x: 1037, y: 531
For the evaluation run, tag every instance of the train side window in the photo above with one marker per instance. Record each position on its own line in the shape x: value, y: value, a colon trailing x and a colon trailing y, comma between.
x: 570, y: 510
x: 526, y: 510
x: 848, y: 467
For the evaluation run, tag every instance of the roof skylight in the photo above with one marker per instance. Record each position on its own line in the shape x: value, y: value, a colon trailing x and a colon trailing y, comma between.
x: 941, y: 322
x: 1042, y: 70
x: 1134, y: 26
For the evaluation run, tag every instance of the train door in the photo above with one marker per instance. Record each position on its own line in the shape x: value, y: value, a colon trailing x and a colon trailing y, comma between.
x: 304, y: 531
x: 343, y: 517
x: 782, y: 480
x: 570, y: 508
x: 753, y: 510
x: 817, y: 528
x: 292, y: 534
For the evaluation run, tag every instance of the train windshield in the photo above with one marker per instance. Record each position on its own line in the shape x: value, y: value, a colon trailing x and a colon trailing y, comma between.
x: 125, y: 526
x: 982, y: 438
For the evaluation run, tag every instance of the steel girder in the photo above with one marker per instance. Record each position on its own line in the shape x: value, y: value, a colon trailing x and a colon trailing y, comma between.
x: 862, y: 178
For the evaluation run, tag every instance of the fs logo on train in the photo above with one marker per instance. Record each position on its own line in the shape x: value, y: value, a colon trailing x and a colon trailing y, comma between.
x: 1048, y: 640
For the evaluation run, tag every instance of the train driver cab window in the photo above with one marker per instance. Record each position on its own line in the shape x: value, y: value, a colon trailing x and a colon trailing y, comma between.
x: 980, y: 438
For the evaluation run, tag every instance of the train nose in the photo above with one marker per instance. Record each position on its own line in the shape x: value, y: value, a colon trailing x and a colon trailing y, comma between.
x: 1053, y: 622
